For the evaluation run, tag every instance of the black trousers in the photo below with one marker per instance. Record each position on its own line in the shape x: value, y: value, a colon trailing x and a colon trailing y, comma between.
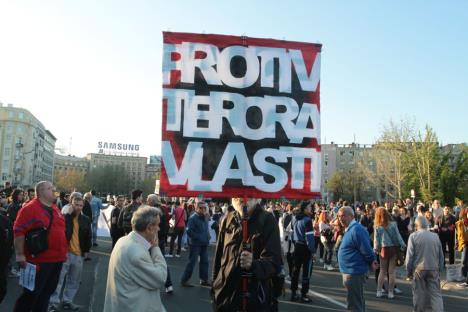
x: 162, y: 240
x: 47, y: 276
x: 448, y: 239
x: 3, y: 278
x: 302, y: 260
x: 115, y: 235
x: 178, y: 233
x: 318, y: 242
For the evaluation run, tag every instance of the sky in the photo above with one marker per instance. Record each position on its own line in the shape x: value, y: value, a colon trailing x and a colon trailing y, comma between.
x: 91, y: 70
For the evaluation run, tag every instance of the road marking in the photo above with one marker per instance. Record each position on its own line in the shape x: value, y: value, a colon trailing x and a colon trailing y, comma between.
x: 325, y: 297
x: 91, y: 302
x: 101, y: 253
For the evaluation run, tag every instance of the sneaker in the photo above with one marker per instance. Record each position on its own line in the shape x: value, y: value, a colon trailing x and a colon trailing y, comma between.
x: 397, y: 291
x: 325, y: 266
x: 168, y: 256
x: 205, y: 283
x: 186, y: 284
x: 53, y: 308
x: 463, y: 285
x: 68, y: 306
x: 379, y: 294
x: 321, y: 260
x: 390, y: 295
x: 183, y: 249
x: 305, y: 299
x: 177, y: 256
x: 383, y: 291
x: 330, y: 267
x: 169, y: 290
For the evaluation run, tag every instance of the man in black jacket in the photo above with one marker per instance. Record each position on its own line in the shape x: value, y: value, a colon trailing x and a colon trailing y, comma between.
x: 6, y: 247
x: 126, y: 214
x: 78, y: 233
x: 263, y: 260
x: 116, y: 232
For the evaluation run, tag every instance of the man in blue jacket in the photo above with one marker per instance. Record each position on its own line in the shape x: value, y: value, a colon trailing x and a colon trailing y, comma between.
x: 199, y: 238
x: 304, y: 248
x: 354, y: 256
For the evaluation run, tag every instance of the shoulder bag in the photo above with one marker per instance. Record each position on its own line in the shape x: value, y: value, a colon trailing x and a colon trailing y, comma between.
x: 37, y: 239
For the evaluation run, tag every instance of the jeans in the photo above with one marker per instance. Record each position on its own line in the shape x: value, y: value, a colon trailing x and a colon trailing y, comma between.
x: 178, y: 232
x: 71, y: 270
x: 195, y: 252
x: 46, y: 282
x: 94, y: 228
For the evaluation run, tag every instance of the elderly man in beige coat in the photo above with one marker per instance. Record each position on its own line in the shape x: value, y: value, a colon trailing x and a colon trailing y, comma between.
x: 137, y: 269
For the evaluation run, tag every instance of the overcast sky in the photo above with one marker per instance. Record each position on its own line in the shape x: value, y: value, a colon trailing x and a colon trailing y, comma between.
x: 91, y: 70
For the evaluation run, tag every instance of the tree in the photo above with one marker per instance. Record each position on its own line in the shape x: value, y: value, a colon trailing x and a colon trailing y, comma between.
x: 70, y: 180
x: 389, y: 157
x: 110, y: 180
x: 425, y: 158
x: 336, y: 185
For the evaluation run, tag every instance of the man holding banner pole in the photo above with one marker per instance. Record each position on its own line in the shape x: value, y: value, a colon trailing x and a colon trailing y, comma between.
x: 263, y: 262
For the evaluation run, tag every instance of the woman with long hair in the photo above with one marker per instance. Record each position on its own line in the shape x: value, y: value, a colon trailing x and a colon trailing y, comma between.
x: 16, y: 201
x: 326, y: 235
x: 386, y: 241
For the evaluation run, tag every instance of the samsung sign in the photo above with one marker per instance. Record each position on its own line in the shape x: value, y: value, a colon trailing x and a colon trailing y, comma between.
x: 119, y: 149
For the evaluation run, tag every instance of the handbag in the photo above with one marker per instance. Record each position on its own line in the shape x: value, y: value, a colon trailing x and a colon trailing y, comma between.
x: 36, y: 240
x: 400, y: 257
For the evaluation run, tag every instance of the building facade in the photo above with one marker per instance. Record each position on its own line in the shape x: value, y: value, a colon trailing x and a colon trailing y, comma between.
x: 69, y: 163
x: 26, y: 148
x: 135, y: 166
x: 346, y: 158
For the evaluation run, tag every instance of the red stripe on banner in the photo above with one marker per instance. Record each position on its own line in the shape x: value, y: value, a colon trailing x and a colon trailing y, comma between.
x: 238, y: 192
x: 223, y: 41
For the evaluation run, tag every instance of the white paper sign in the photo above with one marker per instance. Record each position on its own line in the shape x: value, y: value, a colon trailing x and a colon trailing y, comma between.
x: 28, y: 276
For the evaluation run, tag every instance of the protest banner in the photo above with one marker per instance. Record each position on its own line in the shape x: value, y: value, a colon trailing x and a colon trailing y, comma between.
x: 241, y: 117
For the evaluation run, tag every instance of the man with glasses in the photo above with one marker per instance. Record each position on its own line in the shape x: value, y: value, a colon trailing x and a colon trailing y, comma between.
x: 354, y: 257
x: 199, y: 238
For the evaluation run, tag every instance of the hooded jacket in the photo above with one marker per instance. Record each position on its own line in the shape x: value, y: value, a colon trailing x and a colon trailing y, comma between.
x: 264, y: 239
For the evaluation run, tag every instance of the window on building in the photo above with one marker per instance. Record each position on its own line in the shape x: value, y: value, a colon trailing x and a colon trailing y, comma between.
x: 326, y: 162
x: 6, y: 163
x: 4, y: 176
x: 11, y: 114
x: 342, y: 153
x: 21, y: 115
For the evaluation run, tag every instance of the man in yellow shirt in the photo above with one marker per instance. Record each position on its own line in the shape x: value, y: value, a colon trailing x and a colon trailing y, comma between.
x: 78, y: 232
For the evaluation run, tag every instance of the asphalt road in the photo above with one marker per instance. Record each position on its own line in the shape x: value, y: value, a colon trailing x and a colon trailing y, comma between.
x: 327, y: 293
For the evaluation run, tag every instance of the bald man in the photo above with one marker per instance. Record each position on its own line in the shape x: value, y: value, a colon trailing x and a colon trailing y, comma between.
x: 41, y: 212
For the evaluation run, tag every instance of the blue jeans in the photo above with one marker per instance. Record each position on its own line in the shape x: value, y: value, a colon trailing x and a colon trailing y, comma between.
x: 195, y: 252
x: 94, y: 229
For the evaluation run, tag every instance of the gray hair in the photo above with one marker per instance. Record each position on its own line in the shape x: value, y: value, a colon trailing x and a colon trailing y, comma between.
x: 421, y: 222
x: 152, y: 199
x: 347, y: 210
x: 144, y: 216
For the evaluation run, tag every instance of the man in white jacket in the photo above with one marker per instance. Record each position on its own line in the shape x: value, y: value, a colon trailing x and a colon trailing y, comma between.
x: 137, y: 269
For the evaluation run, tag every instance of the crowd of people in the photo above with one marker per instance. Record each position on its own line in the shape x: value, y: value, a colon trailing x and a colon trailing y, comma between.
x: 259, y: 244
